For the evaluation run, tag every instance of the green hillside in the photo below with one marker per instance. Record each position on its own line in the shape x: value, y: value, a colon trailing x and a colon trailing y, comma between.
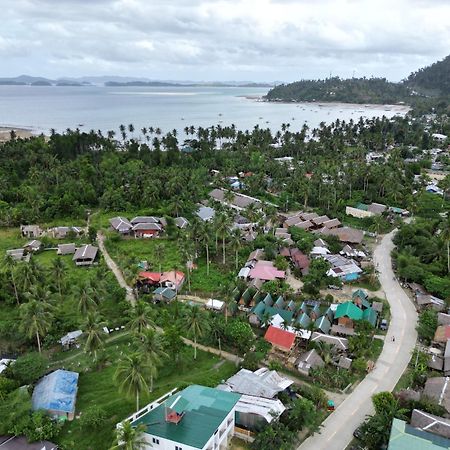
x: 435, y: 78
x: 353, y: 90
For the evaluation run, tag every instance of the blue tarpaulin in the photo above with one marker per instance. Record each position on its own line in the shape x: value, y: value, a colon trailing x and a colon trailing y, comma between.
x: 56, y: 392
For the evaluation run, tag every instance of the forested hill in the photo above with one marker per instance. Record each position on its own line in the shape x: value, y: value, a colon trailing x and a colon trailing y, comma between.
x: 354, y: 90
x: 434, y: 78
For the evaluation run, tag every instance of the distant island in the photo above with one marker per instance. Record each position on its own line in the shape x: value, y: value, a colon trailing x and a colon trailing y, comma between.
x: 425, y: 87
x: 113, y: 81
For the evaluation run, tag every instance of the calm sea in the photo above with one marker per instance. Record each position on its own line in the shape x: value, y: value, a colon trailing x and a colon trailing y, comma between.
x: 105, y: 108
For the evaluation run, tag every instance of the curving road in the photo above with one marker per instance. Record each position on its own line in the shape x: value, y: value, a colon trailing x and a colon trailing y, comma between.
x: 337, y: 430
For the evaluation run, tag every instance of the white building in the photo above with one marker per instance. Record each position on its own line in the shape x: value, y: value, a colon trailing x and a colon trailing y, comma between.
x: 196, y: 418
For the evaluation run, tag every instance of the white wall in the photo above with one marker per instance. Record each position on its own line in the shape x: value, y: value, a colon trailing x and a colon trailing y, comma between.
x: 216, y: 441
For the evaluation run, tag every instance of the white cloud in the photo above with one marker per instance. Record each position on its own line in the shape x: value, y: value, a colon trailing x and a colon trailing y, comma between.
x: 222, y: 39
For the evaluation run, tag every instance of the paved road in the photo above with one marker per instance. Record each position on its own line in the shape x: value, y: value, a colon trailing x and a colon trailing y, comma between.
x: 338, y: 428
x: 115, y: 269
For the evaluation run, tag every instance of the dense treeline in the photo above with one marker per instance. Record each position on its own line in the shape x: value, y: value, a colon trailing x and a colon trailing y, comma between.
x: 68, y: 173
x: 427, y: 90
x: 422, y: 255
x: 434, y: 78
x: 354, y: 90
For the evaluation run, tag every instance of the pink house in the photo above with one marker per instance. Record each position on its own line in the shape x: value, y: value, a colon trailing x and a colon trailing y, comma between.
x: 265, y: 270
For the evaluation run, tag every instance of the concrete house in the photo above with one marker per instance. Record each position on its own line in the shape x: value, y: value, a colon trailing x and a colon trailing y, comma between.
x: 30, y: 231
x: 196, y: 418
x: 121, y: 224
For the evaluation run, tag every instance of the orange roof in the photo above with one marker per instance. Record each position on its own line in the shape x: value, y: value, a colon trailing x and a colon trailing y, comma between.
x: 152, y: 276
x: 281, y: 338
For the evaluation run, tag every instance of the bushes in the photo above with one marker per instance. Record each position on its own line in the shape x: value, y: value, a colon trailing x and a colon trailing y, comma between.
x: 427, y: 325
x: 93, y: 417
x: 27, y: 369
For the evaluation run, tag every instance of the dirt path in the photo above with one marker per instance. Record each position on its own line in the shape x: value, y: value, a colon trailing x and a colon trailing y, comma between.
x: 130, y: 297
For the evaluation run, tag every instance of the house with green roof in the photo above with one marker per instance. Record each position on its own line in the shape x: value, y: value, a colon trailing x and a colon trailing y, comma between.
x: 303, y: 321
x: 279, y: 303
x: 406, y: 437
x: 371, y: 316
x: 261, y: 312
x: 198, y: 417
x: 323, y: 324
x: 361, y: 299
x: 347, y: 313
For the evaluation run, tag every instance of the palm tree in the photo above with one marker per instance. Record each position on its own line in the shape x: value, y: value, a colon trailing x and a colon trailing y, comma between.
x: 86, y: 302
x: 131, y: 375
x: 9, y: 267
x: 159, y: 253
x: 29, y: 274
x: 36, y: 318
x: 445, y: 234
x: 94, y: 334
x: 196, y: 324
x: 129, y: 437
x: 236, y: 244
x: 223, y: 231
x: 152, y: 348
x: 141, y: 318
x: 58, y: 272
x: 206, y: 238
x: 187, y: 253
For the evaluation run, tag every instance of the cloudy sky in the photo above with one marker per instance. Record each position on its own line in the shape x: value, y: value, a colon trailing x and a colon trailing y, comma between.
x: 258, y: 40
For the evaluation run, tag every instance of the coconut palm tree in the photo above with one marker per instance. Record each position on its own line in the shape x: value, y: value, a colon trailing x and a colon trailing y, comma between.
x: 206, y: 239
x: 129, y: 437
x: 58, y: 271
x: 159, y: 253
x: 35, y: 319
x: 445, y: 235
x: 131, y: 375
x: 236, y: 244
x: 94, y: 334
x: 196, y: 324
x: 86, y: 302
x: 141, y: 318
x: 9, y: 268
x: 152, y: 347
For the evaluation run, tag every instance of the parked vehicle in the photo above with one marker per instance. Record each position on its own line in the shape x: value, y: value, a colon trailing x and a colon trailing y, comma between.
x: 384, y: 325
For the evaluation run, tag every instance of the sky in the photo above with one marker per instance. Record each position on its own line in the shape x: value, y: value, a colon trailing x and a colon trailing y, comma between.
x: 218, y: 40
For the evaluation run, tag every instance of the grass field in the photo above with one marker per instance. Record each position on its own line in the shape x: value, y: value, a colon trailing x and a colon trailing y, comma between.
x: 97, y: 388
x: 129, y: 252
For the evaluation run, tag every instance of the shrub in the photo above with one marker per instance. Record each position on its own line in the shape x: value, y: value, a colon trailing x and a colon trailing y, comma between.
x: 93, y: 417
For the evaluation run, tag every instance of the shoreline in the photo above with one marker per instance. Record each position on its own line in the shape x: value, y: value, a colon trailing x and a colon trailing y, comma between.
x: 341, y: 105
x: 21, y: 132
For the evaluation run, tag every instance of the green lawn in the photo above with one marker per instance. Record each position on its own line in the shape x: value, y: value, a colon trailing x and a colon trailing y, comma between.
x: 129, y: 252
x: 98, y: 388
x: 10, y: 238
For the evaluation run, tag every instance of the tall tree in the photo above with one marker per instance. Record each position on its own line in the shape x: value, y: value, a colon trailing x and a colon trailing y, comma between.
x: 131, y: 375
x: 196, y: 324
x: 58, y: 271
x: 9, y: 268
x: 152, y: 347
x: 141, y: 318
x: 93, y: 333
x: 35, y: 319
x: 129, y: 437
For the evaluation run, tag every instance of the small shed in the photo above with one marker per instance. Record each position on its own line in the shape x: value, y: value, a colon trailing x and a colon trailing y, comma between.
x: 70, y: 338
x: 66, y: 249
x: 215, y: 305
x: 56, y: 393
x: 164, y: 294
x: 309, y: 360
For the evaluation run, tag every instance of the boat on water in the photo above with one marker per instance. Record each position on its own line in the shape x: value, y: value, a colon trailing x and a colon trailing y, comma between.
x: 81, y: 124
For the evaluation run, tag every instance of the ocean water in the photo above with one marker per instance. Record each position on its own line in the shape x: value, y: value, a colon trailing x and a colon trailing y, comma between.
x: 41, y: 108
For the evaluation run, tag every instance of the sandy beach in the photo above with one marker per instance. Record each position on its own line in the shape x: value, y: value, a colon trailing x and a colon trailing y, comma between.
x: 5, y: 133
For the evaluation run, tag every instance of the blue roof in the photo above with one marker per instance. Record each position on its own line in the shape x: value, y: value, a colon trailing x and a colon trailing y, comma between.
x: 56, y: 392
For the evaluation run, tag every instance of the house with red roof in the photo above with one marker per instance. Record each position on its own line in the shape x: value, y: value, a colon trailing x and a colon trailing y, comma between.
x: 280, y: 339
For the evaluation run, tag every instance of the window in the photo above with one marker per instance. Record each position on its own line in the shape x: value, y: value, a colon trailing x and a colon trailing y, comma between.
x: 155, y: 441
x: 178, y: 448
